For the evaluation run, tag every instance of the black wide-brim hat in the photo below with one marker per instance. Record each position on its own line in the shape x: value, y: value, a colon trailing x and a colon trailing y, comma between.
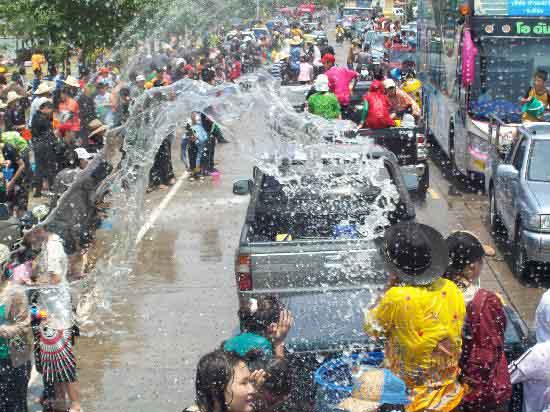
x: 415, y: 252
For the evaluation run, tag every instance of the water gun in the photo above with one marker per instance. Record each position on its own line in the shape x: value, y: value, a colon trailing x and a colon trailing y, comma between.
x: 38, y: 315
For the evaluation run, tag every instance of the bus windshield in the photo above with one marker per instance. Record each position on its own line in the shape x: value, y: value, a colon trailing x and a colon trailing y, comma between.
x: 503, y: 78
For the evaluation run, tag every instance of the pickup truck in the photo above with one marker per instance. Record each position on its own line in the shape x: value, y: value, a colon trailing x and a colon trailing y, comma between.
x: 289, y: 249
x: 517, y: 178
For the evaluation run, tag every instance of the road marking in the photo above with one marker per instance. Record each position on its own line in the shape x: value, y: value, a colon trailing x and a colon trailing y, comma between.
x: 433, y: 194
x: 160, y: 208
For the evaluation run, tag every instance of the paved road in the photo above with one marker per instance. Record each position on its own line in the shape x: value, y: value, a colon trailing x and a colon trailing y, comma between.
x: 180, y: 302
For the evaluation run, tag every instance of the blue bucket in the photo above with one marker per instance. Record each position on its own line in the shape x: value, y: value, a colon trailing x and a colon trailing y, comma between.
x: 334, y: 380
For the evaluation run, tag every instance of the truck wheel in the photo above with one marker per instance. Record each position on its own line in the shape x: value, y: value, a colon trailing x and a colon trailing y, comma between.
x: 519, y: 254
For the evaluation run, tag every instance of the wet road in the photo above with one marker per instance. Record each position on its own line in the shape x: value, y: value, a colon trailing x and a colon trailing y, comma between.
x: 181, y: 303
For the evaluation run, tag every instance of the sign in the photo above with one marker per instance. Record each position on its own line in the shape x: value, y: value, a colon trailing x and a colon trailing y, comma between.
x: 528, y: 7
x: 507, y: 27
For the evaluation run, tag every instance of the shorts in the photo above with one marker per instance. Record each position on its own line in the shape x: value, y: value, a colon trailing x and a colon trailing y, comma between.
x: 19, y: 197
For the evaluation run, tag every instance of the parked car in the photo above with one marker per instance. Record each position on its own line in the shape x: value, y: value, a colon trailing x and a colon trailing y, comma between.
x: 517, y: 180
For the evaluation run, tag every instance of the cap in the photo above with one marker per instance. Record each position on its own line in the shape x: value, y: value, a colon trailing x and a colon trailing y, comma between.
x: 180, y: 61
x: 465, y: 248
x: 83, y: 154
x: 389, y: 83
x: 140, y: 78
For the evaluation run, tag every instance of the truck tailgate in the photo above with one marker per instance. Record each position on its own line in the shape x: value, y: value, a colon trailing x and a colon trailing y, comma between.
x: 317, y: 265
x: 329, y: 321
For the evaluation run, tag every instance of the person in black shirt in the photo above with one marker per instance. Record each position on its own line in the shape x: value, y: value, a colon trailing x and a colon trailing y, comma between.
x: 43, y: 144
x: 17, y: 188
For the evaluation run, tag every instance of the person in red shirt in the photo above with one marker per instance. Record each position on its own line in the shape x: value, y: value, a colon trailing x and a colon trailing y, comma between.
x: 376, y: 108
x: 236, y: 69
x: 483, y: 362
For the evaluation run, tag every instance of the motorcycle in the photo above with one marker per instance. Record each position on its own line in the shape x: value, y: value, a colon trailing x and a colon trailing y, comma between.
x: 340, y: 38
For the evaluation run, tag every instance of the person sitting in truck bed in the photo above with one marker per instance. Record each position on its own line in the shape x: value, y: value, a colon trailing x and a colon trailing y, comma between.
x: 376, y: 108
x: 264, y: 326
x: 400, y: 102
x: 538, y: 91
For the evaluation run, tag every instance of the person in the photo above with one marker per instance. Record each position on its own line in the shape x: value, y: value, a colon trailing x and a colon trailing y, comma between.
x: 45, y: 90
x: 87, y: 113
x: 50, y: 291
x: 69, y: 110
x: 15, y: 341
x: 364, y: 59
x: 400, y: 102
x: 294, y: 59
x: 295, y: 31
x: 274, y: 385
x: 96, y: 138
x: 37, y: 60
x: 339, y: 79
x: 340, y: 30
x: 197, y: 138
x: 265, y: 324
x: 483, y: 362
x: 14, y: 118
x: 137, y: 87
x: 323, y: 102
x: 538, y: 91
x: 421, y: 315
x: 376, y: 108
x: 377, y: 390
x: 16, y: 162
x: 224, y: 383
x: 43, y: 144
x: 353, y: 52
x: 532, y: 369
x: 306, y: 71
x: 236, y: 68
x: 102, y: 103
x: 279, y: 69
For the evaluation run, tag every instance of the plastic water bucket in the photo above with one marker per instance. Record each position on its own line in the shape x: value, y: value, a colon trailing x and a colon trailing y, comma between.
x: 334, y: 378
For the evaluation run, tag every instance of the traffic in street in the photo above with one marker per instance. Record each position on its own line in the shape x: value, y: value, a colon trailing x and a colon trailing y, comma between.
x: 322, y: 207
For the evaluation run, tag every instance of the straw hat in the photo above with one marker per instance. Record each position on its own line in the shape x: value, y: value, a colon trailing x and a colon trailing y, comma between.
x: 12, y: 97
x: 72, y: 82
x: 44, y: 88
x: 97, y: 127
x: 2, y: 104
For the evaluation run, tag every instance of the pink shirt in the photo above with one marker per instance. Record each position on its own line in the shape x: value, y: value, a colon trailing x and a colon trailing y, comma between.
x: 306, y: 72
x: 339, y: 79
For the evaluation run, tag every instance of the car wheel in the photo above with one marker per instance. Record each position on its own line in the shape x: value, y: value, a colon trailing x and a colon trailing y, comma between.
x: 521, y: 263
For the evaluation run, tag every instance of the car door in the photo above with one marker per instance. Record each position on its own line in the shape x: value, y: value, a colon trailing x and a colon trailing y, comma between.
x: 510, y: 185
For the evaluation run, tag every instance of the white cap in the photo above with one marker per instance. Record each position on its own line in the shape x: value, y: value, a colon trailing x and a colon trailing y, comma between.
x: 389, y: 83
x: 83, y: 154
x: 180, y: 61
x: 140, y: 78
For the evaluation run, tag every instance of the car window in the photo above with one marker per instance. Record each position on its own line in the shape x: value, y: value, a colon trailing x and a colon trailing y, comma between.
x: 539, y: 167
x: 520, y: 154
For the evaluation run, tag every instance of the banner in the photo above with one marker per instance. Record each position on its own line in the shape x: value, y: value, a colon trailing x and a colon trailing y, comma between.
x: 528, y: 7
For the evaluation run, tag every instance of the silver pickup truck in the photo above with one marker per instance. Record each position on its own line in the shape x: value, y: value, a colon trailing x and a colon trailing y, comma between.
x: 517, y: 179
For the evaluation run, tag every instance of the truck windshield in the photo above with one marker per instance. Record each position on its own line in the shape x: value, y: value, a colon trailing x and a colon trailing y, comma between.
x: 539, y: 167
x: 502, y: 78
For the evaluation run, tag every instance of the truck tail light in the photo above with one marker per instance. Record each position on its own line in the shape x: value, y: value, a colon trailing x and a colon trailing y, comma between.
x: 420, y: 138
x: 421, y: 147
x: 243, y: 273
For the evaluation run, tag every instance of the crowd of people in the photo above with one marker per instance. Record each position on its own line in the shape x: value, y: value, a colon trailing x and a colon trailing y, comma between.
x: 444, y: 340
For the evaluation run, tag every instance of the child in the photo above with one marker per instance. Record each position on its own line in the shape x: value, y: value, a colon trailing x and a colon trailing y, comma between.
x: 538, y: 91
x: 306, y: 71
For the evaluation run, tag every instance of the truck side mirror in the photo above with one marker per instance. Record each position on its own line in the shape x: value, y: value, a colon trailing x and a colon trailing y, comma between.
x: 242, y: 187
x: 507, y: 171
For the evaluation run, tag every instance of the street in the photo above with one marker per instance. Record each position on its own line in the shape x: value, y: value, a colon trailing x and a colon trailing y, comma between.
x: 181, y: 302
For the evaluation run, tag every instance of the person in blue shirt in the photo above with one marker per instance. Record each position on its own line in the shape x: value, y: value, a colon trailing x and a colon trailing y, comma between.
x: 265, y: 323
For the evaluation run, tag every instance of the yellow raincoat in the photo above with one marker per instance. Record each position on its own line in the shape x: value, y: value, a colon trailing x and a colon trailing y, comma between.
x: 423, y: 325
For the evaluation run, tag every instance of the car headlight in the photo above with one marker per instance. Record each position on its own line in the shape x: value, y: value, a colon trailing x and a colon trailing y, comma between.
x: 539, y: 222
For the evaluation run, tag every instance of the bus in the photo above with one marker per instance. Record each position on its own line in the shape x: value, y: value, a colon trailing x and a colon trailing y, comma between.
x: 512, y: 38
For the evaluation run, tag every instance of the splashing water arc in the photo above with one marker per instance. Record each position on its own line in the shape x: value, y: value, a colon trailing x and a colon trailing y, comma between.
x: 259, y: 110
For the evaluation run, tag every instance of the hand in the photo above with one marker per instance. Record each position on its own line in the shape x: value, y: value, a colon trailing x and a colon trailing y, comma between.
x: 283, y: 326
x: 258, y: 378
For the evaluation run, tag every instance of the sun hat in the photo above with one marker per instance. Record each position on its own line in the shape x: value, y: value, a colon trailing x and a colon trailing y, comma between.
x: 2, y: 104
x: 4, y: 253
x: 96, y: 126
x: 41, y: 101
x: 373, y: 388
x: 44, y: 88
x: 12, y: 97
x: 34, y: 217
x: 328, y: 58
x: 83, y: 154
x: 180, y: 61
x: 71, y: 82
x: 321, y: 83
x: 140, y: 78
x: 416, y: 253
x: 389, y: 83
x: 465, y: 248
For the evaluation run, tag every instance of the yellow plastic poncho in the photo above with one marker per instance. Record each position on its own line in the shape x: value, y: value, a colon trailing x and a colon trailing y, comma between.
x: 423, y: 325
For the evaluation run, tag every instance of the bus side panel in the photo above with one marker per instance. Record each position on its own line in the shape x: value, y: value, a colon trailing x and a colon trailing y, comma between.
x: 438, y: 117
